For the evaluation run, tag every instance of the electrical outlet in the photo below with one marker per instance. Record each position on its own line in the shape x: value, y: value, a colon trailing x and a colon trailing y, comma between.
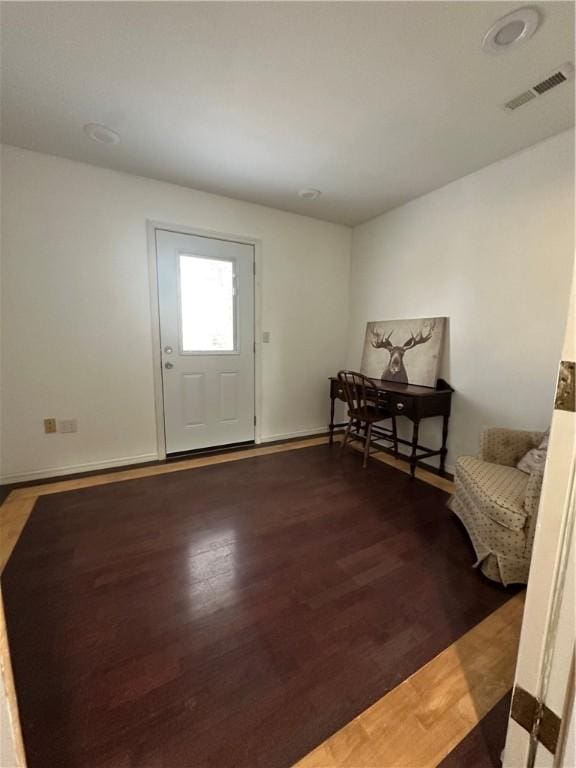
x: 68, y: 425
x: 49, y: 426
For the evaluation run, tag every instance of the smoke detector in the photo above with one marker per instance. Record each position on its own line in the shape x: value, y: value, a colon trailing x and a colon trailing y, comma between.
x: 510, y: 30
x: 309, y: 193
x: 101, y: 134
x: 559, y: 76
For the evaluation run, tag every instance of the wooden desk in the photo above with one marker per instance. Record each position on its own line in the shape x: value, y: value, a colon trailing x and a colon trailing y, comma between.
x: 408, y: 400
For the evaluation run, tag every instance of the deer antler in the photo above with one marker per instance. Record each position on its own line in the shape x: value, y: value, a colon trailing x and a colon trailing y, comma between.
x: 379, y: 342
x: 421, y: 337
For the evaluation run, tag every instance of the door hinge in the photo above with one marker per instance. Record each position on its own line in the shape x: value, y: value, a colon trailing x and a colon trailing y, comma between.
x: 536, y: 718
x: 254, y: 420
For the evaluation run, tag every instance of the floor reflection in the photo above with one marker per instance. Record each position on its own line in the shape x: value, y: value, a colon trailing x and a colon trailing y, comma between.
x: 212, y: 570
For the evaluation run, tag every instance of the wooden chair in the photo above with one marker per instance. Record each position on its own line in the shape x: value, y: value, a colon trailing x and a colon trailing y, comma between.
x: 361, y: 413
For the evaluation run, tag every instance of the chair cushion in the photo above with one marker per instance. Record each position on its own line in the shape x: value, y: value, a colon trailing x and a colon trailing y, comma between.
x: 497, y: 489
x: 535, y: 459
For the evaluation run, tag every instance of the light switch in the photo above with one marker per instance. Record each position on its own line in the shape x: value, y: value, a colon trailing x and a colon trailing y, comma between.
x: 266, y: 337
x: 49, y: 426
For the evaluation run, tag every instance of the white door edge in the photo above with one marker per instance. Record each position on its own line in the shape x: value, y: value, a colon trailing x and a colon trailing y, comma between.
x: 546, y: 647
x: 152, y: 227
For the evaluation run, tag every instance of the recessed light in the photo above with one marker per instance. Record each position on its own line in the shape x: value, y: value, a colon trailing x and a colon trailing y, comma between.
x: 309, y: 193
x: 101, y: 134
x: 511, y: 30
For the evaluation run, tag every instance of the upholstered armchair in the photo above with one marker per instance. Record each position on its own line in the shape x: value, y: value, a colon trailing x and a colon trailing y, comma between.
x: 498, y: 504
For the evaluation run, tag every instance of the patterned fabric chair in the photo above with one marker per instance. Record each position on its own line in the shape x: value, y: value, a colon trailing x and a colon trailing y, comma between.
x: 498, y: 503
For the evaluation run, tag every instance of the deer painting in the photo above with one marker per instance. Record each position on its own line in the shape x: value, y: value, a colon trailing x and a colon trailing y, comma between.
x: 396, y: 370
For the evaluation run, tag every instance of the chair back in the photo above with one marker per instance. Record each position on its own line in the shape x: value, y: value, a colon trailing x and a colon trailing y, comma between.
x: 354, y: 386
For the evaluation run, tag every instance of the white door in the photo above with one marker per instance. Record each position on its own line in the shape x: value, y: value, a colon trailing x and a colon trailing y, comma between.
x: 206, y: 301
x: 546, y: 656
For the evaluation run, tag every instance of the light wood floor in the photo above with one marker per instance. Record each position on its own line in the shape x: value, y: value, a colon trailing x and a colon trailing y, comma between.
x: 421, y: 720
x: 416, y: 724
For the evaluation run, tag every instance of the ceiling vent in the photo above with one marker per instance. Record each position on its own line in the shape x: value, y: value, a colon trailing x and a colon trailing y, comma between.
x: 562, y: 74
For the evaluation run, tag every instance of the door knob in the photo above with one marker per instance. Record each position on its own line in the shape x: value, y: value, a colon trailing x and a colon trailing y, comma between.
x: 168, y: 365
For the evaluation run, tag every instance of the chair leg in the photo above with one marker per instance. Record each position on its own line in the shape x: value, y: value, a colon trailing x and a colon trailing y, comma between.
x: 346, y: 436
x: 367, y: 444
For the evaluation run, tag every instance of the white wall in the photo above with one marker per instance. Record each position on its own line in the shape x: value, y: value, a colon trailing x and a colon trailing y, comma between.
x: 492, y: 251
x: 76, y: 328
x: 7, y: 747
x: 11, y: 747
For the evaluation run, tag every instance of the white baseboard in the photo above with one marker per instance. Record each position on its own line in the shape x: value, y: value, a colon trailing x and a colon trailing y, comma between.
x: 323, y: 430
x: 72, y: 469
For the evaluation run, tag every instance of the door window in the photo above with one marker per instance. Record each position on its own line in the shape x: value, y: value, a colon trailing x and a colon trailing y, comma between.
x: 207, y: 304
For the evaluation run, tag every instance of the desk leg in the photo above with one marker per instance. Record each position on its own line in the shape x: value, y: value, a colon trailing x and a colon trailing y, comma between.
x: 331, y: 425
x: 395, y: 436
x: 444, y: 450
x: 415, y: 430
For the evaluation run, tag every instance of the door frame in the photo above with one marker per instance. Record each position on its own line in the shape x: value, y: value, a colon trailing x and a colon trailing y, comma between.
x: 151, y: 227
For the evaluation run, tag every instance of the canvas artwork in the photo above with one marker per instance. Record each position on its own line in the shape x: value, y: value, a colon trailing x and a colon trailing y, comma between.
x: 566, y: 387
x: 404, y: 351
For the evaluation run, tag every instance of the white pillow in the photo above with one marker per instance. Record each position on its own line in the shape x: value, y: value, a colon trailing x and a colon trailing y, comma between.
x: 536, y: 457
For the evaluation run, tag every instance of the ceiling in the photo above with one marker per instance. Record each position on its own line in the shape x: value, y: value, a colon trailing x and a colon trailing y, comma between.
x: 374, y: 103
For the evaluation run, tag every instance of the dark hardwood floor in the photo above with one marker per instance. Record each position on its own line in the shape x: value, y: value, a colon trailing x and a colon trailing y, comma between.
x: 234, y: 615
x: 483, y: 746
